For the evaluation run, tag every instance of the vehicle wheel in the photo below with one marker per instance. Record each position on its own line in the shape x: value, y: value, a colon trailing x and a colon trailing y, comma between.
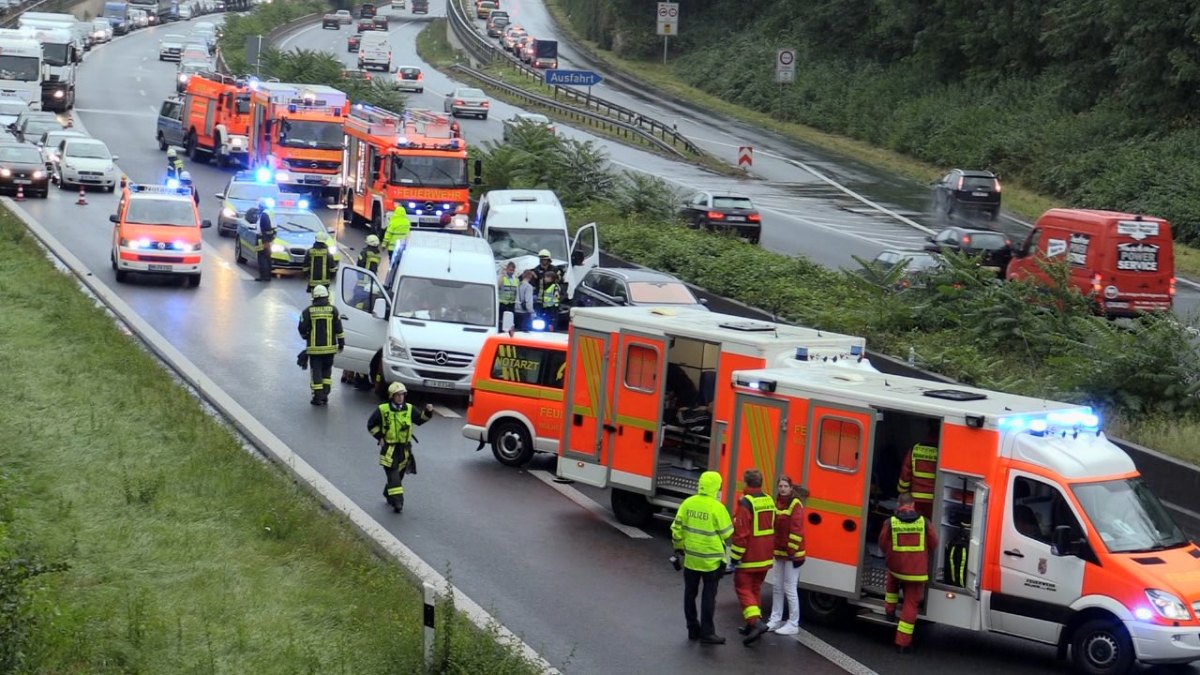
x: 378, y: 382
x: 192, y: 281
x: 483, y: 116
x: 112, y: 188
x: 237, y: 251
x: 63, y: 185
x: 1101, y: 647
x: 421, y: 90
x: 631, y: 508
x: 511, y: 443
x: 189, y: 146
x: 162, y: 142
x: 376, y: 223
x: 825, y: 609
x: 122, y: 276
x: 993, y: 214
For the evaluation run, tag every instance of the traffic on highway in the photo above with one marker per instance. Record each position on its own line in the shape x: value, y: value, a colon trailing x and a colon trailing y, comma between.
x: 611, y: 400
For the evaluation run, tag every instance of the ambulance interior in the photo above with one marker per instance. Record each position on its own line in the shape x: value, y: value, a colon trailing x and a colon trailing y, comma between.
x: 687, y: 414
x: 953, y: 508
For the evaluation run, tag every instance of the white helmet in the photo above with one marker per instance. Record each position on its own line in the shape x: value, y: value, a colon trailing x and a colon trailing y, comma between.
x: 396, y: 388
x: 372, y: 240
x: 185, y: 176
x: 319, y: 291
x: 171, y: 154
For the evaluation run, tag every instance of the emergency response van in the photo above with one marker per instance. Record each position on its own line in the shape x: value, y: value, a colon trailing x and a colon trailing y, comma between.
x: 649, y: 403
x: 1047, y: 531
x: 156, y: 230
x: 427, y: 326
x: 1126, y: 262
x: 516, y: 395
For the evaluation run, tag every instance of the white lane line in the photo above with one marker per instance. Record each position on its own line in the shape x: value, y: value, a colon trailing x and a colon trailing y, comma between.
x: 142, y: 92
x: 444, y: 411
x: 832, y: 654
x: 127, y: 113
x: 154, y: 111
x: 588, y: 504
x: 283, y: 43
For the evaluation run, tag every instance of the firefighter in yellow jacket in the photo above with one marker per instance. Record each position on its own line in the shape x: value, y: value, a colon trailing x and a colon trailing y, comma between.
x: 392, y: 426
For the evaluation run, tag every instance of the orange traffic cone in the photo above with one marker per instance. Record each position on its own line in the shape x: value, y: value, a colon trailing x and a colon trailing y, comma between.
x: 82, y: 201
x: 20, y: 193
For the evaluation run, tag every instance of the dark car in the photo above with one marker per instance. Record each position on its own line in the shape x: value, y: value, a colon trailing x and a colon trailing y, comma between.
x: 962, y: 191
x: 993, y: 248
x: 380, y: 21
x: 724, y: 212
x: 331, y: 21
x: 23, y: 167
x: 365, y: 25
x: 613, y: 287
x: 29, y: 128
x: 496, y: 23
x: 352, y: 43
x: 366, y: 10
x: 915, y: 263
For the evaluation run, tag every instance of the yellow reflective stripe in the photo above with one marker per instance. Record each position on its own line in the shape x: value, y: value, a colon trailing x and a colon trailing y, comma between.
x: 530, y: 390
x: 737, y: 549
x: 751, y: 612
x: 917, y: 527
x: 795, y: 537
x: 910, y: 577
x: 725, y: 532
x: 905, y: 627
x: 891, y: 598
x: 755, y: 565
x: 696, y: 530
x: 926, y: 496
x: 637, y: 422
x: 696, y: 554
x: 834, y: 507
x: 759, y: 505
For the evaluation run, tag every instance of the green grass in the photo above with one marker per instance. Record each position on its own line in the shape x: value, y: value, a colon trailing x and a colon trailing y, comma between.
x: 184, y: 553
x: 1018, y: 200
x: 1175, y: 437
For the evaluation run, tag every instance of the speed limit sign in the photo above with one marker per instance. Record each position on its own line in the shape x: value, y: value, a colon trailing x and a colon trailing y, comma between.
x: 785, y: 65
x: 668, y: 18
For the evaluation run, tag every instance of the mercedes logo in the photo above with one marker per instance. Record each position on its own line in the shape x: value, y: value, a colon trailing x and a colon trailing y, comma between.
x: 312, y: 165
x: 428, y: 206
x: 162, y: 245
x: 440, y: 358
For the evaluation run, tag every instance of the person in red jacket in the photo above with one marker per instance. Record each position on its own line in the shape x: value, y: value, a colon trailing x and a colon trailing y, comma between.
x: 789, y: 556
x: 906, y: 540
x: 919, y: 472
x: 752, y: 551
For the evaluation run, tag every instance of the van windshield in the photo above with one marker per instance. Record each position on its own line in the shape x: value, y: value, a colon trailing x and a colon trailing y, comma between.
x: 514, y: 243
x: 447, y: 301
x: 1128, y: 516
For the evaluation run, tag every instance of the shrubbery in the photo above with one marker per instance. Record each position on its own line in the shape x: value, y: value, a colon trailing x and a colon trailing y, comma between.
x: 1018, y: 337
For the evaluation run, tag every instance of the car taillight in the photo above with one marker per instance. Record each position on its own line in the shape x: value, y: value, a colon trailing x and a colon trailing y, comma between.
x: 1096, y: 279
x: 1171, y: 287
x: 996, y: 182
x: 715, y: 215
x: 754, y: 218
x: 960, y: 183
x: 458, y: 102
x: 485, y: 104
x: 966, y: 240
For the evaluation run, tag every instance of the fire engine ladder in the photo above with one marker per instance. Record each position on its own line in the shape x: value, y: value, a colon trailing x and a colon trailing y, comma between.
x: 375, y: 121
x: 430, y: 124
x: 228, y: 80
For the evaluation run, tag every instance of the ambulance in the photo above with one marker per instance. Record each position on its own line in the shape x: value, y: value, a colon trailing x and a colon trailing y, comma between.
x: 643, y: 409
x: 1047, y: 531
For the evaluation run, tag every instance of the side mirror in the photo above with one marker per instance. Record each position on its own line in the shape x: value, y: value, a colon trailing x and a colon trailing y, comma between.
x: 704, y: 301
x: 206, y: 223
x: 478, y: 169
x: 114, y: 219
x: 220, y: 195
x: 929, y: 239
x: 379, y: 309
x: 116, y: 157
x: 1060, y: 542
x: 621, y: 300
x: 507, y: 322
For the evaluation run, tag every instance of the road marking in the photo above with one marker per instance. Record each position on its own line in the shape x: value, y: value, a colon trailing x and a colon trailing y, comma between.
x: 589, y: 504
x: 832, y: 654
x: 444, y: 411
x: 283, y: 43
x: 127, y: 113
x: 142, y: 92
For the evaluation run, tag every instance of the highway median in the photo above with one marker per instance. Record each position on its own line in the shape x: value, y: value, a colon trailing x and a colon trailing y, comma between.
x: 138, y: 534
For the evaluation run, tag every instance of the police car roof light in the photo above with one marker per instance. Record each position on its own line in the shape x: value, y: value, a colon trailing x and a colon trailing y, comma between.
x: 176, y: 191
x: 263, y: 175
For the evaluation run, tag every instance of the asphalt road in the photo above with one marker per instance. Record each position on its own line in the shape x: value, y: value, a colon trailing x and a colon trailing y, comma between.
x: 589, y: 597
x: 793, y: 200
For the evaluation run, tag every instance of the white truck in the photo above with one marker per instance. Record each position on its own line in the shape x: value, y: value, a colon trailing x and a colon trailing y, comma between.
x: 58, y: 64
x: 81, y: 31
x: 21, y: 71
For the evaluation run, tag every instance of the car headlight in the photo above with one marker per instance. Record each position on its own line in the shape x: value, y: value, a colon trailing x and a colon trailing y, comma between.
x: 278, y: 248
x: 1167, y: 606
x: 110, y: 167
x: 5, y: 172
x: 281, y: 176
x: 183, y: 78
x: 229, y: 213
x: 397, y: 349
x: 58, y: 93
x: 38, y: 175
x: 236, y: 142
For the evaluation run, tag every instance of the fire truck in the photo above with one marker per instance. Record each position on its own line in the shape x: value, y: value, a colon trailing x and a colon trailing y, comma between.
x: 296, y: 130
x: 414, y: 161
x: 216, y: 115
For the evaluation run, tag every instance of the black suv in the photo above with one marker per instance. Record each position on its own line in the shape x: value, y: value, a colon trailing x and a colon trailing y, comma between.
x: 993, y: 248
x: 963, y: 191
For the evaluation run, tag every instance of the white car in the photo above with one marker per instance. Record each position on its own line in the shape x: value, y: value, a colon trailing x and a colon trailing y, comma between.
x: 102, y: 31
x: 170, y: 47
x: 185, y: 12
x: 344, y: 17
x: 85, y: 162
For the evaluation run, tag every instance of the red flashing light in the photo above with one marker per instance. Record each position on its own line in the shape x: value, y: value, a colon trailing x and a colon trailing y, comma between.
x: 1171, y: 287
x: 1096, y: 283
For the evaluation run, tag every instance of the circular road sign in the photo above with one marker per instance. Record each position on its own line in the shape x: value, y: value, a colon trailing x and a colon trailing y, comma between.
x: 787, y: 57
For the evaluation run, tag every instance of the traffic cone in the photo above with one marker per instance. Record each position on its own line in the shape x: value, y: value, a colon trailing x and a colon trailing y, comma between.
x: 82, y: 201
x: 20, y: 193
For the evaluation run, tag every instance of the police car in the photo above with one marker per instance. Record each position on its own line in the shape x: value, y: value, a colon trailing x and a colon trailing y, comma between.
x: 156, y: 230
x: 296, y: 230
x: 244, y: 190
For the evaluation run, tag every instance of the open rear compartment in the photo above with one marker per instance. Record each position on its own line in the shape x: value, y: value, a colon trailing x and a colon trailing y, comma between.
x: 685, y: 446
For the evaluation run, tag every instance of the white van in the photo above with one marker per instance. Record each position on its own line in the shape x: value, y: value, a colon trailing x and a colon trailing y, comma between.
x: 427, y: 329
x: 517, y: 224
x: 375, y: 51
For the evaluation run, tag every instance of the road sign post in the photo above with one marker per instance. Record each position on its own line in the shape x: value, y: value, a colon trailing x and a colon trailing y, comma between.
x: 785, y: 72
x: 668, y: 23
x: 253, y: 51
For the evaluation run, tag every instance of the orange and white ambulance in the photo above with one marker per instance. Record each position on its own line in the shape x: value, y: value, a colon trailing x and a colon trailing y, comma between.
x: 1048, y: 531
x: 649, y: 397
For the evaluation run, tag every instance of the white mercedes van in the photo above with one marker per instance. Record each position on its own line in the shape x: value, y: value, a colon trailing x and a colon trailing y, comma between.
x: 375, y: 51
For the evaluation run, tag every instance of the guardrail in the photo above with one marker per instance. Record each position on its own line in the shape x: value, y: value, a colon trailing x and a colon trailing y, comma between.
x: 11, y: 14
x: 484, y: 50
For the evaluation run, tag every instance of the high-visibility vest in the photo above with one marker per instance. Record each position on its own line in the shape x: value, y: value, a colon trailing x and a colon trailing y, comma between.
x: 322, y: 335
x: 762, y: 524
x: 700, y: 529
x: 550, y: 297
x: 397, y: 424
x: 318, y: 266
x: 903, y: 535
x: 924, y: 471
x: 508, y: 290
x: 369, y: 259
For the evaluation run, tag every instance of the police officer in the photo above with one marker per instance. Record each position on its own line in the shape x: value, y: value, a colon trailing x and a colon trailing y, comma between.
x: 266, y: 236
x: 906, y: 540
x: 369, y: 258
x: 508, y: 284
x: 185, y: 180
x: 393, y: 238
x: 319, y: 263
x: 391, y: 424
x: 700, y: 534
x: 321, y: 328
x: 174, y: 164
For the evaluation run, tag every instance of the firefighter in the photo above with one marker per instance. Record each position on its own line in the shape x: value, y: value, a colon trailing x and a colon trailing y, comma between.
x: 906, y: 540
x: 370, y: 256
x: 753, y: 551
x: 919, y: 471
x: 508, y: 285
x: 321, y: 328
x: 319, y: 263
x: 174, y: 164
x: 700, y: 534
x: 393, y: 238
x: 266, y: 236
x: 545, y: 264
x: 392, y: 426
x: 789, y: 556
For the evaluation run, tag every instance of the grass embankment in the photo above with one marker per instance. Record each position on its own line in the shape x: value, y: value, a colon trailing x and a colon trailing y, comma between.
x: 1018, y: 199
x: 183, y: 553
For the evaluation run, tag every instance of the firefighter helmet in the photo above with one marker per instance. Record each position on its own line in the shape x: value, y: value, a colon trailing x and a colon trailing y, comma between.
x: 320, y: 291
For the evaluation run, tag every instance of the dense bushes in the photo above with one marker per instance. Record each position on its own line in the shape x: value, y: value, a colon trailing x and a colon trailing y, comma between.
x: 1092, y: 101
x: 1018, y: 337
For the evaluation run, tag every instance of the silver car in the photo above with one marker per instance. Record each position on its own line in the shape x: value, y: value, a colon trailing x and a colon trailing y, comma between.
x: 467, y: 101
x: 170, y: 47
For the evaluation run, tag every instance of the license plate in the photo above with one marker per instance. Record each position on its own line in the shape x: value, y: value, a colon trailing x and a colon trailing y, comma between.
x: 160, y: 268
x: 1118, y: 305
x: 737, y: 219
x: 21, y: 181
x: 979, y: 194
x: 439, y: 384
x: 313, y: 180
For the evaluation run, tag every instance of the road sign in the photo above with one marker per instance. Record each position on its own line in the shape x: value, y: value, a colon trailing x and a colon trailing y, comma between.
x: 573, y: 78
x: 745, y: 155
x: 785, y: 66
x: 668, y: 18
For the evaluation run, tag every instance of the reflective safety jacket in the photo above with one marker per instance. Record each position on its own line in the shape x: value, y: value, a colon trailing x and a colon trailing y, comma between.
x: 394, y: 426
x: 906, y: 540
x: 702, y: 528
x: 754, y: 531
x: 508, y: 289
x: 321, y: 328
x: 369, y: 259
x: 551, y: 297
x: 789, y: 528
x: 319, y: 265
x: 918, y: 472
x: 397, y: 230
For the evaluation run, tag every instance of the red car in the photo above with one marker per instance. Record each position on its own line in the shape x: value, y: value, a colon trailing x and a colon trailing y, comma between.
x: 352, y: 43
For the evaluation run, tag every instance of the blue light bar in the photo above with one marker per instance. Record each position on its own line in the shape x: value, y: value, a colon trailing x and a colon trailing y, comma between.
x: 856, y: 350
x: 263, y: 175
x: 801, y: 353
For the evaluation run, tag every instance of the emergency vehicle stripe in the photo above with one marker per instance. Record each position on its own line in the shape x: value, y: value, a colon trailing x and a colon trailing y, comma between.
x: 591, y: 357
x: 834, y: 507
x: 637, y: 422
x: 758, y: 425
x: 532, y: 391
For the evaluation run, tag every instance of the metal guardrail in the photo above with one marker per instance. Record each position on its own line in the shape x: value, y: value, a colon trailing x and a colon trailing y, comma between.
x: 483, y: 49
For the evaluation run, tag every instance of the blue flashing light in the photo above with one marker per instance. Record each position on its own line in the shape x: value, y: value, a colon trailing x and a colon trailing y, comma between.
x: 292, y: 107
x: 173, y: 183
x: 538, y: 324
x: 269, y: 201
x: 1082, y: 419
x: 1038, y: 426
x: 801, y: 353
x: 263, y: 175
x: 303, y: 203
x: 856, y: 350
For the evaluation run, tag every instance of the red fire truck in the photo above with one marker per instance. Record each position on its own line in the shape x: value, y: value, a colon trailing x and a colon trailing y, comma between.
x: 216, y: 114
x: 296, y: 130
